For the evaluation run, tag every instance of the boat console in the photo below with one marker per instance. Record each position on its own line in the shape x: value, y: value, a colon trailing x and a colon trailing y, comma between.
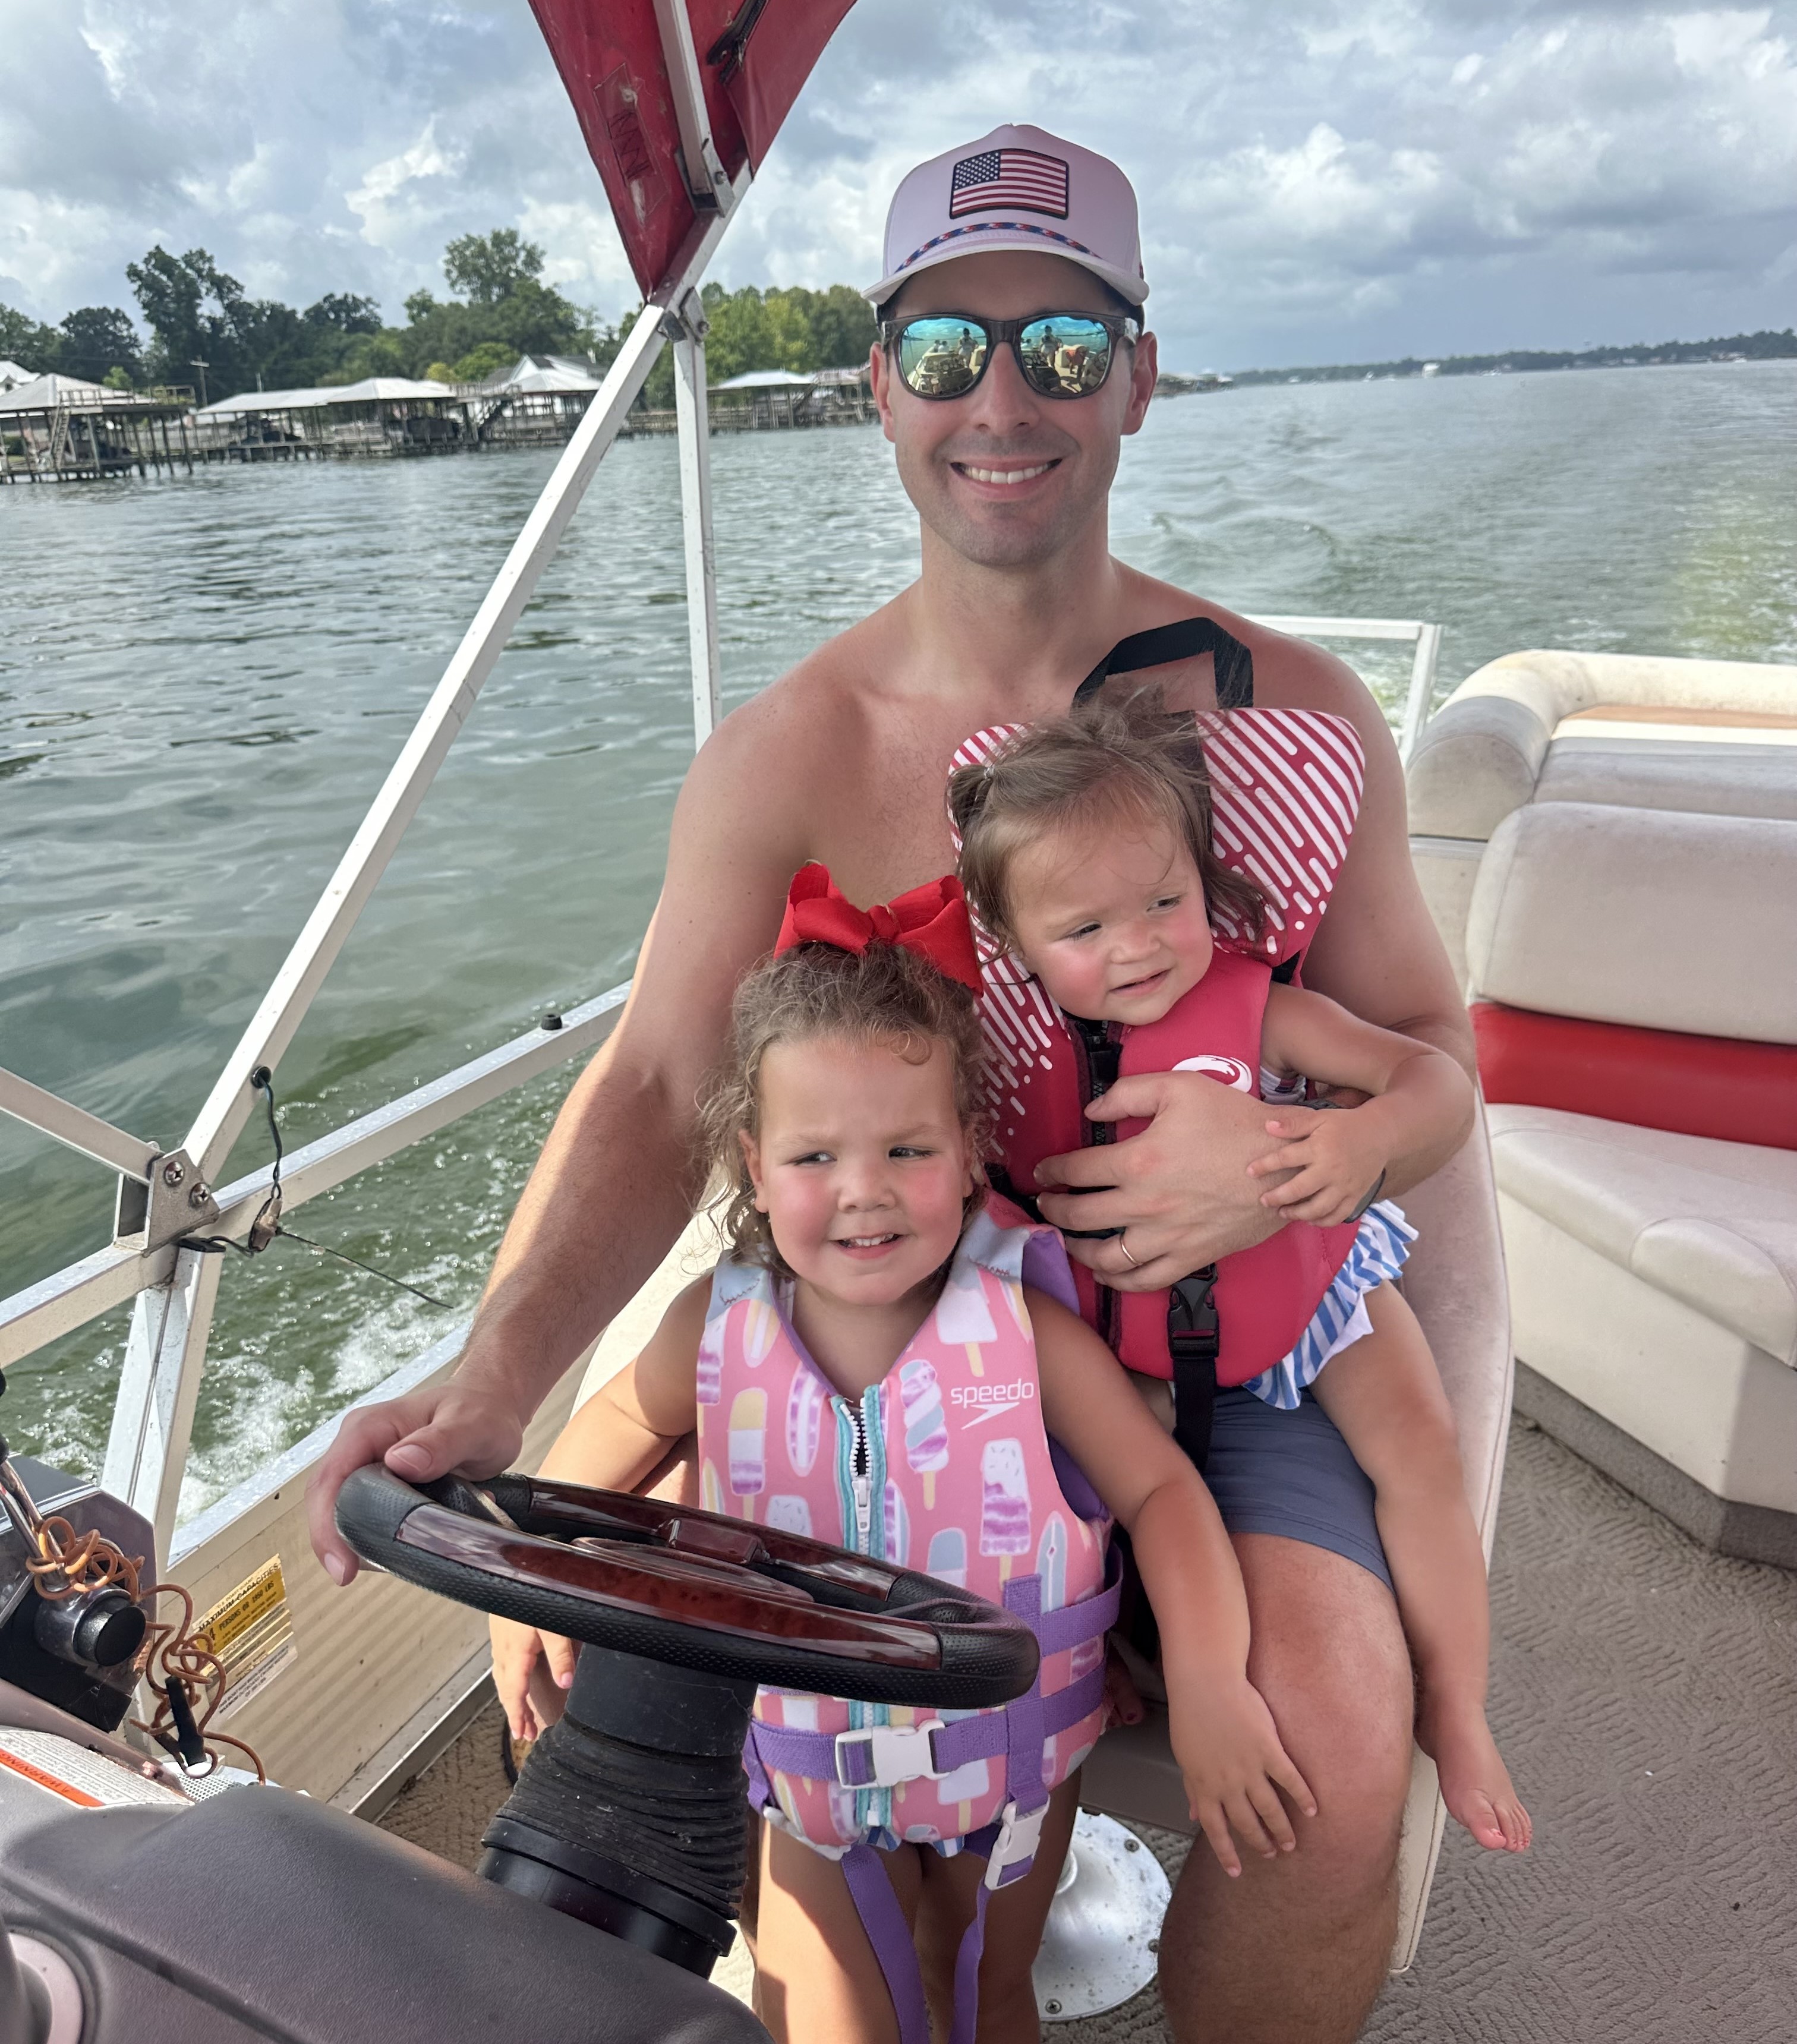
x: 140, y: 1904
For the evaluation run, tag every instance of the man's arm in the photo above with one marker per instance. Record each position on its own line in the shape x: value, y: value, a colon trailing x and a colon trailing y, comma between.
x: 616, y: 1178
x: 1377, y: 951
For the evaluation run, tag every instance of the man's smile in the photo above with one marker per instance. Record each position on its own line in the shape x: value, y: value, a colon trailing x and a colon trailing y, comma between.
x: 1003, y: 479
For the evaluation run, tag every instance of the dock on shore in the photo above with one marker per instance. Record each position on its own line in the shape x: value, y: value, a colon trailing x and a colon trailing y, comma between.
x: 56, y: 429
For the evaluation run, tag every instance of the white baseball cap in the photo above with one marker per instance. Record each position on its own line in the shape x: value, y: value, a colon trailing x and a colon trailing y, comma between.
x: 1015, y: 188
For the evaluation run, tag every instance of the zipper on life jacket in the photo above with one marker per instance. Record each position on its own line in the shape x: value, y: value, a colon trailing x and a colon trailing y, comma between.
x: 863, y: 1482
x: 860, y: 1470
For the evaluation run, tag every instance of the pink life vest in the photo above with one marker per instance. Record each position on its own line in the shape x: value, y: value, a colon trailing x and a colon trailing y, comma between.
x: 944, y: 1465
x: 1286, y: 789
x: 1265, y: 1297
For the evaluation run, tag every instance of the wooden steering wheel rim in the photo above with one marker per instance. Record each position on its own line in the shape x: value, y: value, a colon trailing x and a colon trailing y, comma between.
x: 718, y: 1595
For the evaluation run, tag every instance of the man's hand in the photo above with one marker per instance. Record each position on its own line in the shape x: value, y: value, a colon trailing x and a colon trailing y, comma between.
x: 1327, y: 1163
x: 426, y: 1434
x: 1180, y: 1190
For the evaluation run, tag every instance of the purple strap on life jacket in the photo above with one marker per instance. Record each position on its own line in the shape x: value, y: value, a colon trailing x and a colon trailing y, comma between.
x: 895, y: 1948
x: 1024, y: 1732
x: 1045, y: 1268
x: 813, y: 1756
x: 967, y: 1973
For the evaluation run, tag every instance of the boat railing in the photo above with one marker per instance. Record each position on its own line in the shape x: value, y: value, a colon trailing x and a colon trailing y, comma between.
x: 165, y: 1197
x: 1425, y: 638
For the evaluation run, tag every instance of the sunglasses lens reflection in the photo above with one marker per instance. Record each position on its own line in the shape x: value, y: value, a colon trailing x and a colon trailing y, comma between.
x: 941, y: 357
x: 1065, y: 356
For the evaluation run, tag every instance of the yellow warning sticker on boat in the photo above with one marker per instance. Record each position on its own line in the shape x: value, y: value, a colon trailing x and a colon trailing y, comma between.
x: 250, y: 1631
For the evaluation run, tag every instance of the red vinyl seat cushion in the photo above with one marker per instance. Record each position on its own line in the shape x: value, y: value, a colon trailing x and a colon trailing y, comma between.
x: 1651, y: 1078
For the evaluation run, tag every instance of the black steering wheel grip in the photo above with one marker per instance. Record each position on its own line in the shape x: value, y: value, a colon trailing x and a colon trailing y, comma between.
x: 718, y: 1595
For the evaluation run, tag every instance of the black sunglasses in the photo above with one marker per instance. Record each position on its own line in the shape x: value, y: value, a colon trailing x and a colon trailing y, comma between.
x: 1061, y: 355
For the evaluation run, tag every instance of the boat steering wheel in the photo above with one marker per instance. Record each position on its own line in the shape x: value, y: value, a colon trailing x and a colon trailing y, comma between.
x: 716, y: 1595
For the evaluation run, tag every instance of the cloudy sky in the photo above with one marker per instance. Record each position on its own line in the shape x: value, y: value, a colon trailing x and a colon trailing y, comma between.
x: 1320, y: 180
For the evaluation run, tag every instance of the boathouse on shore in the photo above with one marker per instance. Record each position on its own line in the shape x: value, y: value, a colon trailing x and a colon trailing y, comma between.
x: 62, y: 428
x: 381, y: 415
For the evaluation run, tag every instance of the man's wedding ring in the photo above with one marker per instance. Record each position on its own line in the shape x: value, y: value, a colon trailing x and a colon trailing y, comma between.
x: 1125, y: 1246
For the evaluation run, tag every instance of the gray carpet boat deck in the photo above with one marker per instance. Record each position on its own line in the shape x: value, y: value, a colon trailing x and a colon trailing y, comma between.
x: 1645, y: 1693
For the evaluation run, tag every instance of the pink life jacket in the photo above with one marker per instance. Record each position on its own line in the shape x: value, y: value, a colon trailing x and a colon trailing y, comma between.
x: 944, y: 1465
x: 1286, y: 789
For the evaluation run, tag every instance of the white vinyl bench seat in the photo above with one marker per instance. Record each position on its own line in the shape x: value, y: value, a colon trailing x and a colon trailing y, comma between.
x: 1711, y: 1223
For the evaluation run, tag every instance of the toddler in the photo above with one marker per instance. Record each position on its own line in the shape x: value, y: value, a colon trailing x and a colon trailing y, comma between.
x: 1087, y: 853
x: 879, y: 1361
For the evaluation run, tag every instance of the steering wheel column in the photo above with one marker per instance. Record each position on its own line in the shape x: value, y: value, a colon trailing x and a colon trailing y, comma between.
x: 629, y: 1812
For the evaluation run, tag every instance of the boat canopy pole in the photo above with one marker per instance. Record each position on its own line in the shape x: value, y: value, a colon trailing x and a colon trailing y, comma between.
x: 165, y: 1351
x: 694, y: 419
x: 129, y: 1155
x: 707, y: 180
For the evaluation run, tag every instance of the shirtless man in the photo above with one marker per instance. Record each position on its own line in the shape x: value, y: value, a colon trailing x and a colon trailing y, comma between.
x: 845, y: 760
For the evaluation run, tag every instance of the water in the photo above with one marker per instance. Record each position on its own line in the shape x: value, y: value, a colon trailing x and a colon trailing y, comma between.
x: 202, y: 681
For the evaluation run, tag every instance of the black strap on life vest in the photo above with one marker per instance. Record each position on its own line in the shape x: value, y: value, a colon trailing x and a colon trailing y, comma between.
x: 1192, y: 1337
x: 1192, y: 1334
x: 1185, y: 641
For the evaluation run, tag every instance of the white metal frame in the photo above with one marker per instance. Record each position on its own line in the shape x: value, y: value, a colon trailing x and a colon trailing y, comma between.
x: 1426, y: 639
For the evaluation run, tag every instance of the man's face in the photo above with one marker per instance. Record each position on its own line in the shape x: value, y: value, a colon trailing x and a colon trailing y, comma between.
x: 1005, y: 476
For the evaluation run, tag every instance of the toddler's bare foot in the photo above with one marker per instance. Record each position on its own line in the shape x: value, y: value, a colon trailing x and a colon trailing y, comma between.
x: 1476, y: 1785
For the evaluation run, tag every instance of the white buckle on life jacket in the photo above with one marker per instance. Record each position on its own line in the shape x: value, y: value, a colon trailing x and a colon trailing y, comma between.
x: 1020, y: 1832
x: 896, y: 1753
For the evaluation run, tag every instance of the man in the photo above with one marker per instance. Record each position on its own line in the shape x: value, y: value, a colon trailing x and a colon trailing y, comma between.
x: 845, y: 760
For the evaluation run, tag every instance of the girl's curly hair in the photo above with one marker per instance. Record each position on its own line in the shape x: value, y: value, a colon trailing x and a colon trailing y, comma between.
x: 1122, y: 759
x: 885, y: 995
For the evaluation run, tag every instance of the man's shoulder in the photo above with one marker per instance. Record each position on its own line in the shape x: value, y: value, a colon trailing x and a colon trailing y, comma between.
x: 810, y: 713
x: 1289, y: 672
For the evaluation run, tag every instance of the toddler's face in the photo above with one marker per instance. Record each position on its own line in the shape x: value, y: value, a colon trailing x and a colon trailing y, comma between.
x: 861, y: 1166
x: 1112, y: 923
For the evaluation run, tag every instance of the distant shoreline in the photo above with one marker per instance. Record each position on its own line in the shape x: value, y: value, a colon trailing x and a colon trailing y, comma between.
x: 1764, y: 346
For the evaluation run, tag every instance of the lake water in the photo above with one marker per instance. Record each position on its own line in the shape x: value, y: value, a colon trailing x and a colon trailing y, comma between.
x: 203, y: 681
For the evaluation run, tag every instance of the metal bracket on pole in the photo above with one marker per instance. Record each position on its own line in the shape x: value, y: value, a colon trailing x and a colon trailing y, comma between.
x: 685, y: 325
x: 160, y: 1197
x: 706, y: 180
x: 175, y: 1201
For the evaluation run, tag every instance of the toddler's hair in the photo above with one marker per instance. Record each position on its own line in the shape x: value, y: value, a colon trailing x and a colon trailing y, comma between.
x: 1122, y: 759
x: 887, y: 995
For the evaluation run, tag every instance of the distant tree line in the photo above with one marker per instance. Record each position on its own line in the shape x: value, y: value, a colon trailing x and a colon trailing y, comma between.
x: 198, y: 314
x: 1736, y: 347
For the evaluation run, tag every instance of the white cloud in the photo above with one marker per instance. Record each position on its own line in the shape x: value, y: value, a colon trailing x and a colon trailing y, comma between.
x: 1320, y: 179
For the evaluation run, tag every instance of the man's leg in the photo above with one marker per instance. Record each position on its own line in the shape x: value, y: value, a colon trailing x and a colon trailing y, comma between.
x: 1294, y: 1951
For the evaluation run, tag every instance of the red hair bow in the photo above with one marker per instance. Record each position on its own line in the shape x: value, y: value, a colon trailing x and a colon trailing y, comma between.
x: 931, y: 921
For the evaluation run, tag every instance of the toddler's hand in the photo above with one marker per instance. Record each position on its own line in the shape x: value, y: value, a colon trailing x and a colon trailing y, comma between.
x: 1336, y: 1158
x: 532, y: 1671
x: 1229, y: 1751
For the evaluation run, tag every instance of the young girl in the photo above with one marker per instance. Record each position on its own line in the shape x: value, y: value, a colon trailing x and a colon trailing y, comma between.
x: 879, y: 1362
x: 1087, y: 853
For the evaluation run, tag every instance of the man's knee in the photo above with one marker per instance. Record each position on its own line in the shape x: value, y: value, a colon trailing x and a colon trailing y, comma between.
x: 1329, y: 1656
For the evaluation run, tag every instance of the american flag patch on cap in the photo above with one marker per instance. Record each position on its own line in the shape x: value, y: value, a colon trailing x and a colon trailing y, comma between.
x: 1023, y: 179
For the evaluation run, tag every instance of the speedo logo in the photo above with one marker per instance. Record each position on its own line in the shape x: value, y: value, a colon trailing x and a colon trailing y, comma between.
x: 1214, y: 1065
x: 988, y: 1400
